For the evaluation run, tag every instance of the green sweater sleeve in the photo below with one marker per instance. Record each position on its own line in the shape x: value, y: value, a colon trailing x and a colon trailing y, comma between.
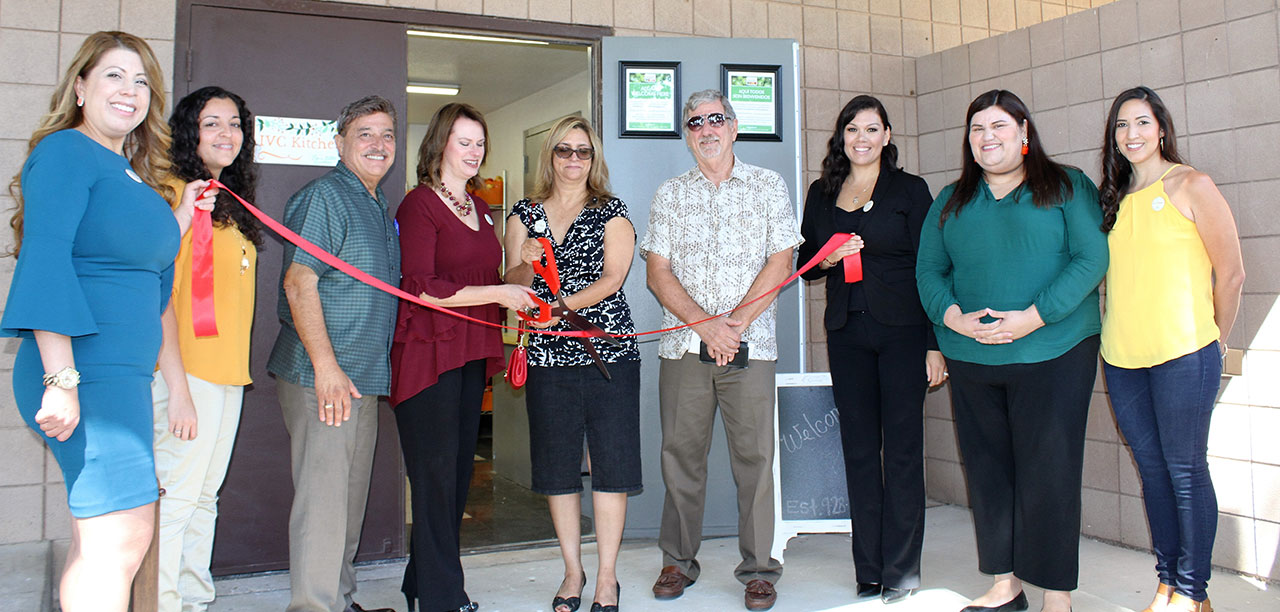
x: 933, y: 264
x: 1087, y: 246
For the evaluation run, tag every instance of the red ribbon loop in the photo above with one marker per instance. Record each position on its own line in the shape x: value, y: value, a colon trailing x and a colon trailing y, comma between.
x: 203, y: 317
x: 853, y: 267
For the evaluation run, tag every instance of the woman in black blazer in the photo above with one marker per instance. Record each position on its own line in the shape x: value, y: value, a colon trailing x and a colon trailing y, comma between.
x: 880, y: 344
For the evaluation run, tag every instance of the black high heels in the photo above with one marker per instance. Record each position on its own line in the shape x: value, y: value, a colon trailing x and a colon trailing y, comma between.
x: 570, y: 602
x: 1017, y: 604
x: 599, y: 607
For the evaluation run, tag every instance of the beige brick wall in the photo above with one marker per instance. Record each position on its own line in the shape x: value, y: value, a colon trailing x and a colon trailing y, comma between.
x: 1214, y: 62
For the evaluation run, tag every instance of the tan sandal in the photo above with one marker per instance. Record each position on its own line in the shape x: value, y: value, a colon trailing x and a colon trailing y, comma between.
x: 1161, y: 601
x: 1181, y: 603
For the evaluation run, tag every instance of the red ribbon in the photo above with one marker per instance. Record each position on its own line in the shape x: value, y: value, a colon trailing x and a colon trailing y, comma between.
x: 853, y: 267
x: 203, y: 318
x: 319, y: 253
x: 549, y: 273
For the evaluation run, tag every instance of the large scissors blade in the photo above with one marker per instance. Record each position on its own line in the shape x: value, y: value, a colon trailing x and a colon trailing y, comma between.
x: 582, y: 324
x: 595, y: 356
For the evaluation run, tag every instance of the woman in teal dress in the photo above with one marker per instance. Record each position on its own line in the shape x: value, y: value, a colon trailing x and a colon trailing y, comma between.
x: 96, y: 244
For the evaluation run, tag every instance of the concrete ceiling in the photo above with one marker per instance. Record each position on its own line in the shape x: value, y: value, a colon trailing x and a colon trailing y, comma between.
x: 490, y: 74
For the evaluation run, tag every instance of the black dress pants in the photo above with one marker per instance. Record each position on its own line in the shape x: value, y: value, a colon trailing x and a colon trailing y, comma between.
x: 438, y: 431
x: 878, y: 379
x: 1021, y: 431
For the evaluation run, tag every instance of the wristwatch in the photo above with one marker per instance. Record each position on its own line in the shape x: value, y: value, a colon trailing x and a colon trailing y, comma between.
x: 66, y: 378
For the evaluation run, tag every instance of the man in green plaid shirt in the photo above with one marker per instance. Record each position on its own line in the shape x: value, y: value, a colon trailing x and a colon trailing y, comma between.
x: 332, y: 357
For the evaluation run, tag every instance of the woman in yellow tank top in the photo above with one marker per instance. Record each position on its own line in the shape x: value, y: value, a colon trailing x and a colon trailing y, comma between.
x: 1173, y: 289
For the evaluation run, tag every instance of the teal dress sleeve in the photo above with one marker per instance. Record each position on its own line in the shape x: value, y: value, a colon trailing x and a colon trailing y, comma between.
x: 1087, y: 248
x: 46, y: 293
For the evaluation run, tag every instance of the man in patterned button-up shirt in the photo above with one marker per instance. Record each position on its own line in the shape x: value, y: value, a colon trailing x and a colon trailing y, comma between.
x: 332, y: 357
x: 719, y: 235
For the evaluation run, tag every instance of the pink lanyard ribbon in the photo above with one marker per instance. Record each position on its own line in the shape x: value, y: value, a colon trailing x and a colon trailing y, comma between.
x: 328, y: 258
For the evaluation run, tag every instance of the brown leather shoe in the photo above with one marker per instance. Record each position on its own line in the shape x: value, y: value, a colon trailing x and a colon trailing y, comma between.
x: 355, y: 607
x: 671, y: 583
x: 760, y: 595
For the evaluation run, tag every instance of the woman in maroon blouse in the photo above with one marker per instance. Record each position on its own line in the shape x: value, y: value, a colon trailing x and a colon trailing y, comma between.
x: 440, y: 364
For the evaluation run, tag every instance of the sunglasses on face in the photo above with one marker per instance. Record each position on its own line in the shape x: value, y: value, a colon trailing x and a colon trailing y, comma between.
x: 566, y: 151
x: 696, y: 122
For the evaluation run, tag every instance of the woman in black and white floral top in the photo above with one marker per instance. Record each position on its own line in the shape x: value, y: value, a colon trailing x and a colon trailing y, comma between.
x: 593, y: 242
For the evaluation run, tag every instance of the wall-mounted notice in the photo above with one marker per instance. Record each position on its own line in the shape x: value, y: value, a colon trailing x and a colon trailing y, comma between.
x: 753, y: 91
x: 296, y: 142
x: 650, y: 100
x: 810, y: 495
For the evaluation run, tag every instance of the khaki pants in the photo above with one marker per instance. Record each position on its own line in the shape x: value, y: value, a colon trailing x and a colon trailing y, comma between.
x: 689, y: 393
x: 191, y: 472
x: 331, y: 467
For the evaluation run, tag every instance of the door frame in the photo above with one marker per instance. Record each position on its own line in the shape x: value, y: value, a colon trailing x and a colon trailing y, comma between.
x: 587, y: 35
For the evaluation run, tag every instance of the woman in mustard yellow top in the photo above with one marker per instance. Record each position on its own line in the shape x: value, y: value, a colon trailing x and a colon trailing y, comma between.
x: 198, y: 391
x: 1173, y: 288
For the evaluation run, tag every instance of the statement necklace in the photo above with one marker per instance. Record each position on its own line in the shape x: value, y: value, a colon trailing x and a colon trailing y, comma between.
x: 463, y: 209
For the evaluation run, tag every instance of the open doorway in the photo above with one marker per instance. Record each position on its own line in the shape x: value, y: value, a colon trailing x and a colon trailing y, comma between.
x: 306, y: 59
x: 521, y: 86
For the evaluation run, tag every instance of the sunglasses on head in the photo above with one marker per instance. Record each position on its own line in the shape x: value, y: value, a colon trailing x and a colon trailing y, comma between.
x: 696, y: 122
x: 566, y: 151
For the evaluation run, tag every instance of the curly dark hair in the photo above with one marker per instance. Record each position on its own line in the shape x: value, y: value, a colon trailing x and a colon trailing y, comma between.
x: 241, y: 176
x: 835, y: 166
x: 1117, y: 173
x: 1047, y: 180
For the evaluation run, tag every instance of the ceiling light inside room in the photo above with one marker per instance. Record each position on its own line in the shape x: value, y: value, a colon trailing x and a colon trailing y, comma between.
x: 432, y: 89
x: 497, y: 39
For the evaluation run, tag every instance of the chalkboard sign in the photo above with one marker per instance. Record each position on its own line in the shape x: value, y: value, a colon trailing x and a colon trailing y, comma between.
x: 810, y: 495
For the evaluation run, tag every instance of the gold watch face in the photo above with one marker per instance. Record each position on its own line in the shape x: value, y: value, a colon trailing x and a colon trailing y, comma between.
x: 65, y: 378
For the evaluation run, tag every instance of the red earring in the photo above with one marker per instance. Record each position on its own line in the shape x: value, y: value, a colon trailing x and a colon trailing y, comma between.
x: 1025, y: 149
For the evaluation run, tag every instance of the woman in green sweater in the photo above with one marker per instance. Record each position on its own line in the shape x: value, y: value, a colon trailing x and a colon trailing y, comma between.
x: 1010, y: 260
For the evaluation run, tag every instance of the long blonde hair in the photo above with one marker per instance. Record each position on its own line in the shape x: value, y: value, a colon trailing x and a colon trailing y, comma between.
x: 146, y: 147
x: 597, y: 177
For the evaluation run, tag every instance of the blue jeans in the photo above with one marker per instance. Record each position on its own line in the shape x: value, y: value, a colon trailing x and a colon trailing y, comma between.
x: 1164, y: 412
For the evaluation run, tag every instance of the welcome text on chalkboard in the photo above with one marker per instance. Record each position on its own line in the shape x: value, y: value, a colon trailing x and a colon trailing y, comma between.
x: 810, y: 495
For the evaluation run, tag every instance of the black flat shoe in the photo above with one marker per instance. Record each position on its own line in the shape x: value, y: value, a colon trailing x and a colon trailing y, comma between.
x: 570, y: 602
x: 1017, y: 604
x: 599, y: 607
x: 869, y: 589
x: 891, y: 595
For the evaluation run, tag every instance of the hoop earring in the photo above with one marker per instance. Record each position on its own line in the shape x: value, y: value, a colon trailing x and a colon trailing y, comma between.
x: 1025, y: 148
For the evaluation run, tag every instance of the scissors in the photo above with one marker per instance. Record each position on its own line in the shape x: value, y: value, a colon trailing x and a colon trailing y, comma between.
x: 551, y: 275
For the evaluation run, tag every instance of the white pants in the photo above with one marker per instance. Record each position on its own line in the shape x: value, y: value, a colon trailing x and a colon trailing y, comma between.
x: 191, y: 472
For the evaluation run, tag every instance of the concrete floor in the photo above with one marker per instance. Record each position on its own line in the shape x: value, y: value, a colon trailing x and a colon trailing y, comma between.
x: 817, y: 578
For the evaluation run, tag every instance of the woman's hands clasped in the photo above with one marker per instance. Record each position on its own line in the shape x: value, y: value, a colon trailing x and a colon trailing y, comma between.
x: 1009, y: 325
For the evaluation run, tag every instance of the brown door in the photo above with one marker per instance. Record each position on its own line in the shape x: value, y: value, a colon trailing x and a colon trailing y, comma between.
x: 309, y: 66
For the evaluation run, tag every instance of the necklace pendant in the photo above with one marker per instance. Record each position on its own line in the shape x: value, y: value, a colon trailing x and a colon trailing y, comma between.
x: 867, y: 207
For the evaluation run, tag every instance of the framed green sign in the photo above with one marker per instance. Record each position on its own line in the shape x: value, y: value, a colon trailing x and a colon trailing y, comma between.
x: 753, y: 91
x: 650, y: 100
